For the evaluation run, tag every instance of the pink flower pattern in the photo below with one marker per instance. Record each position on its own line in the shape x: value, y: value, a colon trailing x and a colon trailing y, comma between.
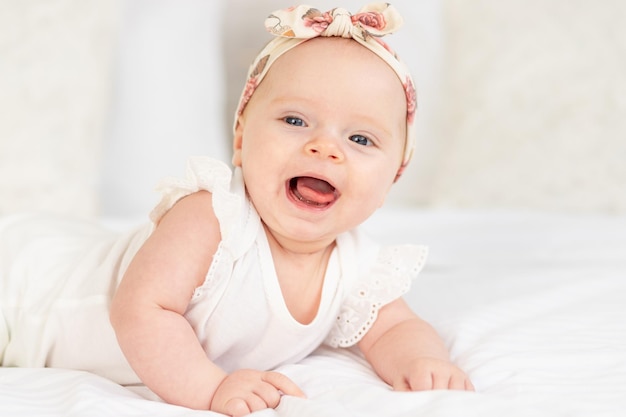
x: 374, y: 20
x: 317, y: 20
x: 251, y: 85
x: 411, y: 100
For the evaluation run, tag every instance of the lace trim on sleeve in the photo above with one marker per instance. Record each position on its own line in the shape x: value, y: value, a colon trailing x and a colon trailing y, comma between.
x: 389, y: 278
x: 202, y: 173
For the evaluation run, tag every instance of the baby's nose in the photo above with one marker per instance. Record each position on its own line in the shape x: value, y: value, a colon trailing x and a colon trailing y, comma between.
x: 324, y: 149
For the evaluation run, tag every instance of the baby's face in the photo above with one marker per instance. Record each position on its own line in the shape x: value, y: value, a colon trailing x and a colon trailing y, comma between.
x: 321, y: 140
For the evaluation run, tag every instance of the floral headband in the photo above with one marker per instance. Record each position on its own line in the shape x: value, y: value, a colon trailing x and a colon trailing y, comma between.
x: 295, y: 25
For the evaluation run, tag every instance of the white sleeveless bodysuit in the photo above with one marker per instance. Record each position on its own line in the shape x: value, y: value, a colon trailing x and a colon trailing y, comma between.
x: 56, y: 313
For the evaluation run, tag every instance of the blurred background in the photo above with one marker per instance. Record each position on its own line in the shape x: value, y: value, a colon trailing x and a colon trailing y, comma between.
x: 521, y: 103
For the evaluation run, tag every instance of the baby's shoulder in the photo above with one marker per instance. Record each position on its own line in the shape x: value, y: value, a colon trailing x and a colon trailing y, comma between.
x: 193, y: 218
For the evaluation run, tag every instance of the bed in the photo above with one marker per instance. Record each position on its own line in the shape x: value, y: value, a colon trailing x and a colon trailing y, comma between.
x: 520, y: 193
x: 531, y: 305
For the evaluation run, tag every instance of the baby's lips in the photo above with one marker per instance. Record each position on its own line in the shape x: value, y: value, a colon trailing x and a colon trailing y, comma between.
x: 315, y: 190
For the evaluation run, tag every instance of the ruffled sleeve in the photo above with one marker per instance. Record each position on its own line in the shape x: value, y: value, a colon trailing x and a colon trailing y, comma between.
x: 202, y: 173
x: 389, y: 278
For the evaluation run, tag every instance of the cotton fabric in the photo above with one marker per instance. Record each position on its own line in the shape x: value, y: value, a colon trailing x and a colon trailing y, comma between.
x: 57, y: 278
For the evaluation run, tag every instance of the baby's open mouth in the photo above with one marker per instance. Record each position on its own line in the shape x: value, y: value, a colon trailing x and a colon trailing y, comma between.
x: 313, y: 191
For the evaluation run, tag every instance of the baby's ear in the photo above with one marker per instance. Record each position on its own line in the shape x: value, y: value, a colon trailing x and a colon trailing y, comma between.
x: 238, y: 142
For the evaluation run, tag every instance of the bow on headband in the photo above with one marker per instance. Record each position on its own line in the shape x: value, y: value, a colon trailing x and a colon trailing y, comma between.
x: 295, y: 25
x: 376, y: 19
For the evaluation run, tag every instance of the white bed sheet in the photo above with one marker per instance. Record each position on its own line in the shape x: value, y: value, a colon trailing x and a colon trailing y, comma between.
x: 532, y: 306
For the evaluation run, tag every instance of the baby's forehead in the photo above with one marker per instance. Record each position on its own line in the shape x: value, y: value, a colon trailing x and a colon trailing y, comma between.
x: 333, y: 49
x: 335, y: 72
x: 334, y: 53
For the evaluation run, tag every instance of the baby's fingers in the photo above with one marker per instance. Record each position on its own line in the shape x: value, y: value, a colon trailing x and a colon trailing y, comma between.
x: 467, y: 385
x: 422, y: 380
x: 283, y: 383
x: 237, y: 407
x: 459, y: 381
x: 437, y: 375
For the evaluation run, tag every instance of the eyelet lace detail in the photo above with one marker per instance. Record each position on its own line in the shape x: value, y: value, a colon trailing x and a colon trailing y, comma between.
x: 220, y: 267
x: 389, y: 278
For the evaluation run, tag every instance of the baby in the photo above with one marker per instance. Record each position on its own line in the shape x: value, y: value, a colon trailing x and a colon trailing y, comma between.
x: 243, y: 271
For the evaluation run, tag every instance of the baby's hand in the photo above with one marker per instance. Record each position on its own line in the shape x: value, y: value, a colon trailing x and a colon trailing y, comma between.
x: 427, y: 373
x: 245, y: 391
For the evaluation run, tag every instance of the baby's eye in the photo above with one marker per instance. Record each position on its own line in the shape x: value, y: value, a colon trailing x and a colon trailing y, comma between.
x: 294, y: 121
x: 361, y: 140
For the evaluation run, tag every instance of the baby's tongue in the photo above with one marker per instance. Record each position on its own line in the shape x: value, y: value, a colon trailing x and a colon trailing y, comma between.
x: 314, y: 190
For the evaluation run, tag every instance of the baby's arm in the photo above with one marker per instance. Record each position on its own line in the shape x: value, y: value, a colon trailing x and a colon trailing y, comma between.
x: 159, y: 343
x: 408, y: 354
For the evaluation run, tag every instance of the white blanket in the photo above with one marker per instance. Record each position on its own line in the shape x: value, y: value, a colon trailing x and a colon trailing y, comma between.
x: 532, y: 306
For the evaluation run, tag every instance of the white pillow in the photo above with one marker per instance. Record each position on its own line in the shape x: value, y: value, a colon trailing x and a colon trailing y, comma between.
x: 169, y: 99
x: 55, y: 61
x: 534, y: 105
